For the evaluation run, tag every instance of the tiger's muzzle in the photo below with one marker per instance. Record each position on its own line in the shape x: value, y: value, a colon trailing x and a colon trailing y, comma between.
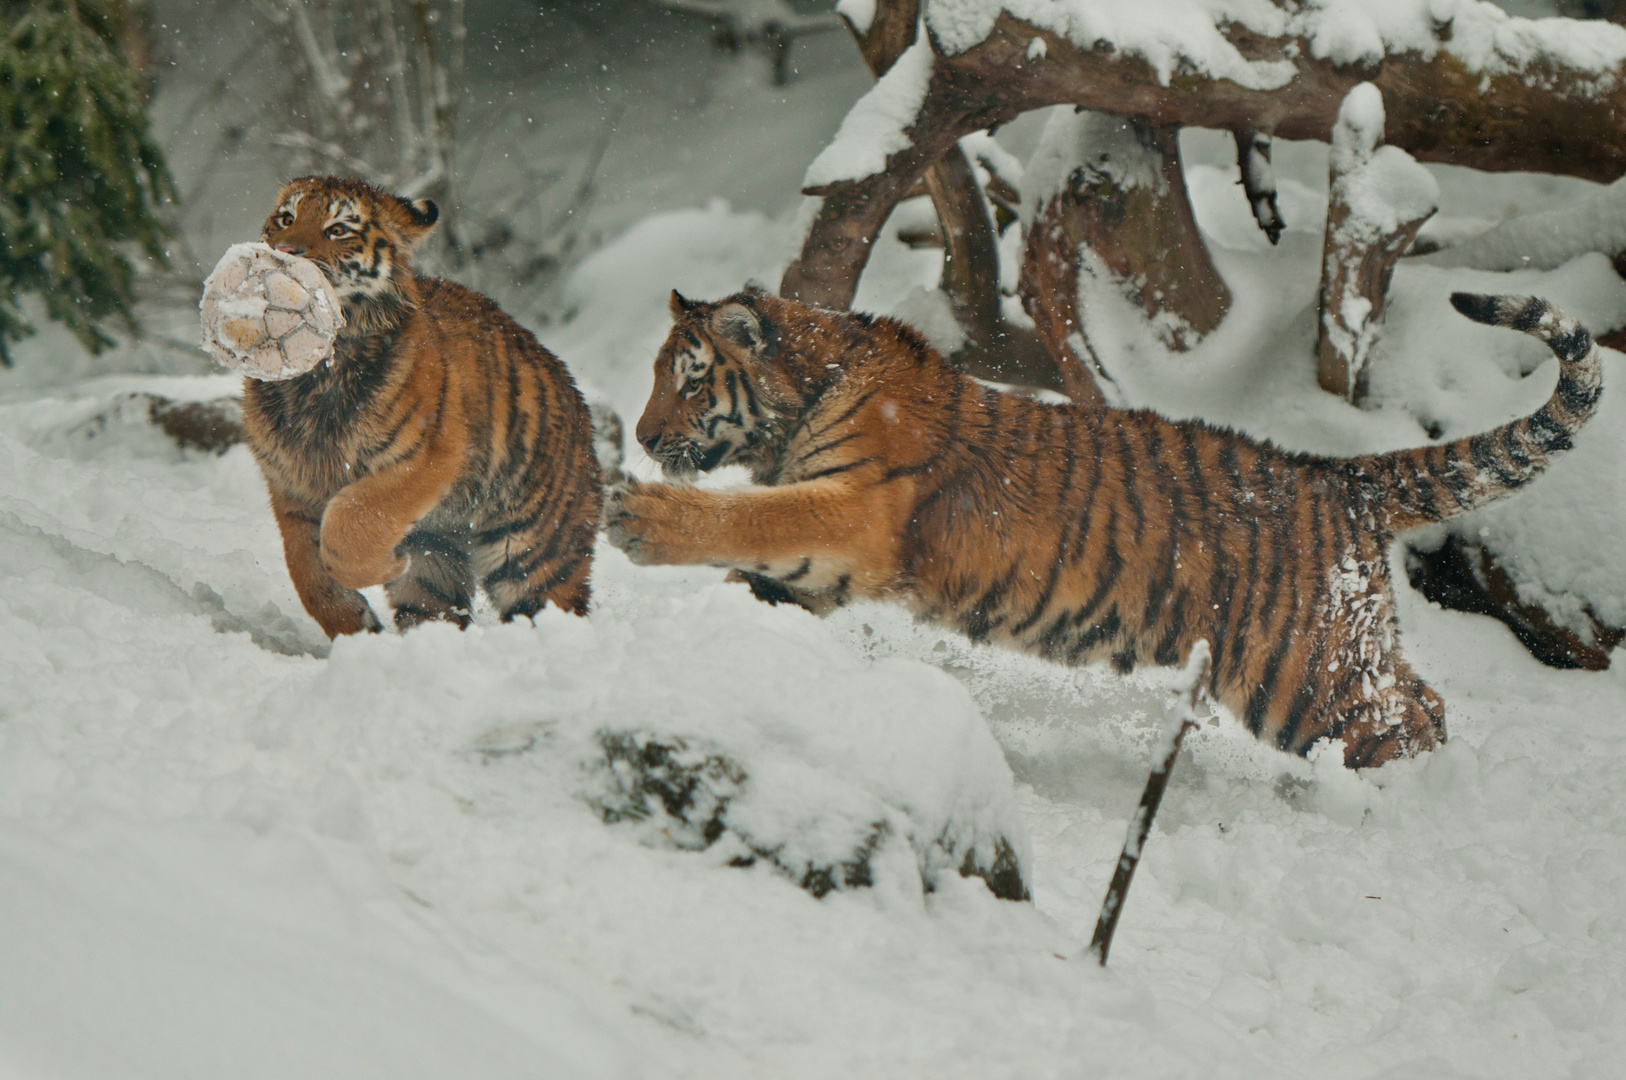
x: 683, y: 458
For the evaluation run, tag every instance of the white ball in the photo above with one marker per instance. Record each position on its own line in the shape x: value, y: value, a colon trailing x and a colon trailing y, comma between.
x: 267, y: 314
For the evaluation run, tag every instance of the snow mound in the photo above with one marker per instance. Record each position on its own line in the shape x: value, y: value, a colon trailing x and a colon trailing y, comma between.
x: 834, y: 772
x: 1545, y: 240
x: 267, y: 314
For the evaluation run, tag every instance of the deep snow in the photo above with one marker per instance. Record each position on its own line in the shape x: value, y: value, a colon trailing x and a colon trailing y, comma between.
x: 227, y: 850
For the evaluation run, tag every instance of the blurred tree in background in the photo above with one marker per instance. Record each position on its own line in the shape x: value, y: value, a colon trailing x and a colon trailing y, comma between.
x: 80, y: 174
x: 371, y: 90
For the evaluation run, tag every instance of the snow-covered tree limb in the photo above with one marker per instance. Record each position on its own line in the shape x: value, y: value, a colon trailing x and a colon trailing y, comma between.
x: 993, y: 349
x: 1462, y: 82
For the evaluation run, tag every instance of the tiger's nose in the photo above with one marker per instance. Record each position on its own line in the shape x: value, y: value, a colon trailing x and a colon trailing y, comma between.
x: 286, y: 250
x: 650, y: 441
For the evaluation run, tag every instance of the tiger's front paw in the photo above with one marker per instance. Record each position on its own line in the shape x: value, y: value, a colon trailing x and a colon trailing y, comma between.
x: 355, y: 547
x: 634, y: 521
x: 349, y: 613
x: 358, y: 572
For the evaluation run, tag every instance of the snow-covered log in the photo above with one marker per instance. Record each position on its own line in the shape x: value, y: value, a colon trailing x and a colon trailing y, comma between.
x: 1049, y: 290
x: 210, y: 425
x: 1548, y: 239
x: 1463, y: 82
x: 993, y: 348
x: 1466, y: 575
x: 1115, y: 190
x: 1377, y: 200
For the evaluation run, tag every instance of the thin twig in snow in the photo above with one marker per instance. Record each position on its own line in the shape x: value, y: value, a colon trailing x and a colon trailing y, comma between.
x: 1140, y: 826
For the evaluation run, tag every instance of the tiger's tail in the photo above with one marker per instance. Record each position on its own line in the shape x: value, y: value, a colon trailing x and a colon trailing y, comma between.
x: 1435, y: 483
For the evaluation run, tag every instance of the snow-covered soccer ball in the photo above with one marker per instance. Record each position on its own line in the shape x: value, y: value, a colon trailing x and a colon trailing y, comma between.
x: 267, y: 314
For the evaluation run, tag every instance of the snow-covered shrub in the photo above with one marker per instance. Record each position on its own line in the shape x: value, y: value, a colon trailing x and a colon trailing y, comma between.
x: 693, y: 795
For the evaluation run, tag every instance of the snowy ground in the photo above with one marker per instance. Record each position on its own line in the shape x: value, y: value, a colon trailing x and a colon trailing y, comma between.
x: 225, y: 850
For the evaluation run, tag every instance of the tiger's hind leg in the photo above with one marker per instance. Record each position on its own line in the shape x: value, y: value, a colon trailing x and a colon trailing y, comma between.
x: 772, y: 591
x: 1379, y: 720
x: 522, y: 577
x: 438, y: 584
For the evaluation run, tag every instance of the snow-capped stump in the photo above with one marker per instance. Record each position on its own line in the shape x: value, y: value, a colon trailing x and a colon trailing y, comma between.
x: 812, y: 825
x: 1379, y: 197
x: 267, y: 314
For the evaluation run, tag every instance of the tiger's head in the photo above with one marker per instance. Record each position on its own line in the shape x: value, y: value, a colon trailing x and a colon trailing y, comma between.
x: 360, y: 236
x: 719, y: 397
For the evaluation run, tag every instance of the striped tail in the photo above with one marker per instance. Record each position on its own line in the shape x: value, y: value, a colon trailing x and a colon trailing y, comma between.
x: 1434, y: 483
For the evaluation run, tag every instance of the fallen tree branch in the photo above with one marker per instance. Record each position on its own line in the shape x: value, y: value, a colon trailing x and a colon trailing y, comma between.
x: 1515, y: 105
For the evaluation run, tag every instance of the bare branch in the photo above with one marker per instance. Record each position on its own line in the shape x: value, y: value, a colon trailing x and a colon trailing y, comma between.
x: 332, y: 152
x: 1140, y: 826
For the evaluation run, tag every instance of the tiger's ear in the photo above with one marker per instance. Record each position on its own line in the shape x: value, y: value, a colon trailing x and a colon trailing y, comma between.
x: 741, y: 326
x: 680, y: 305
x: 421, y: 217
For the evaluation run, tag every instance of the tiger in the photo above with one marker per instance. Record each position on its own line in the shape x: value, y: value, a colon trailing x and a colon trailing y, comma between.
x: 1078, y: 533
x: 441, y: 447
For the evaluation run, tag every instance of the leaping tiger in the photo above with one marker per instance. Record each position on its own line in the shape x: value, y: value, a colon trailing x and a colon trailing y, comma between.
x: 1073, y: 532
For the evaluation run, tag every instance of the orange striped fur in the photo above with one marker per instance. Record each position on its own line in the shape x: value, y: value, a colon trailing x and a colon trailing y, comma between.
x: 440, y: 448
x: 1075, y: 532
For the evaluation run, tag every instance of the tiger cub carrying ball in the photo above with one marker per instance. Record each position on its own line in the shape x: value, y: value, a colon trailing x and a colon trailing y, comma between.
x: 440, y: 447
x: 1073, y: 532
